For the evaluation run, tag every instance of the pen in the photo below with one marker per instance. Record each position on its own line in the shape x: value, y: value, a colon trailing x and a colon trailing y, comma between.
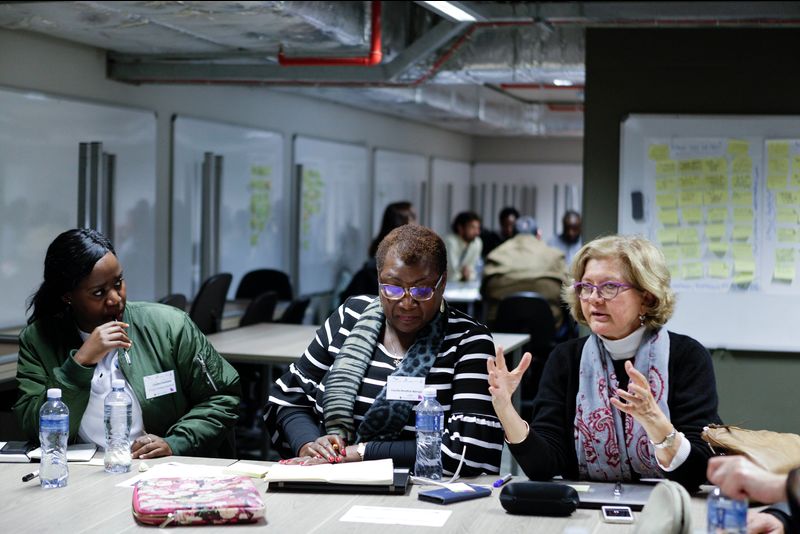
x: 502, y: 480
x: 30, y: 476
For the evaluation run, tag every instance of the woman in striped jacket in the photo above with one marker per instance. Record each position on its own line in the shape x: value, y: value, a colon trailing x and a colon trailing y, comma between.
x: 339, y: 402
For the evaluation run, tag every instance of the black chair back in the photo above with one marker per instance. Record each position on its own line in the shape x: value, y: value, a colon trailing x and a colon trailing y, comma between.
x: 177, y: 300
x: 295, y: 312
x: 529, y: 313
x: 261, y: 280
x: 209, y: 302
x: 260, y: 310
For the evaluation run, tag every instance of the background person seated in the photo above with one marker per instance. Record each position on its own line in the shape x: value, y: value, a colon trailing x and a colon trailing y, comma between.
x: 491, y: 240
x: 569, y: 241
x: 464, y: 247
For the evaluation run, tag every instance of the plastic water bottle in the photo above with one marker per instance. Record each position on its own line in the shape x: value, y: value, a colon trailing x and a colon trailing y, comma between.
x: 117, y: 416
x: 725, y: 515
x: 53, y: 436
x: 430, y: 424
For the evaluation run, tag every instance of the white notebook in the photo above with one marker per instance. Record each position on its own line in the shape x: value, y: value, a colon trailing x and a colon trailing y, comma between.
x: 371, y: 472
x: 80, y: 452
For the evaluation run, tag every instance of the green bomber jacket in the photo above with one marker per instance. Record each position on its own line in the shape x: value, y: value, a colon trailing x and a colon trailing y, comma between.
x: 194, y: 420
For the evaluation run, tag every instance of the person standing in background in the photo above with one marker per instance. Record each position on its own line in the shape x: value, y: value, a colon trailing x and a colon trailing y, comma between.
x: 464, y: 247
x: 569, y: 241
x: 491, y: 240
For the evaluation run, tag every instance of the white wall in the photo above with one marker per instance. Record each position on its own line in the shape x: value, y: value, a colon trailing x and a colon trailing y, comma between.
x: 31, y: 61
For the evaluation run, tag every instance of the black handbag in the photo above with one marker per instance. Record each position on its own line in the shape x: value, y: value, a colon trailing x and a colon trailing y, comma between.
x: 539, y: 498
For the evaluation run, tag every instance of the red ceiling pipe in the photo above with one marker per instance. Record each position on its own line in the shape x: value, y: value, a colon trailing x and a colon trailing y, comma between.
x: 373, y: 58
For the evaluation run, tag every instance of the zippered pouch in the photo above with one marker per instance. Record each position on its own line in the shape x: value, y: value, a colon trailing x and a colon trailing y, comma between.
x: 197, y: 501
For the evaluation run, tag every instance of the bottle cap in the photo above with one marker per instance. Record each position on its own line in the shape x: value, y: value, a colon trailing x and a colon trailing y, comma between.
x: 429, y: 392
x: 117, y: 383
x: 54, y: 393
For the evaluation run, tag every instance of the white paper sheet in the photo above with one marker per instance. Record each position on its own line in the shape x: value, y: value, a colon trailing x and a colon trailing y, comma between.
x: 176, y: 470
x: 80, y: 452
x: 385, y: 515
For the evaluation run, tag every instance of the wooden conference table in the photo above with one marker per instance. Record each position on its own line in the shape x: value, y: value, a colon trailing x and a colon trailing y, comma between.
x: 91, y: 502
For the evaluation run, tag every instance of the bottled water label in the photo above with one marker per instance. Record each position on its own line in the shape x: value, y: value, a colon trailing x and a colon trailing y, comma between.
x: 430, y: 422
x: 726, y: 516
x: 54, y: 423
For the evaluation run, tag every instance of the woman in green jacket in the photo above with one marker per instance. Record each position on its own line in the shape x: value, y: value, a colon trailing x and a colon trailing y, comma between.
x: 82, y: 333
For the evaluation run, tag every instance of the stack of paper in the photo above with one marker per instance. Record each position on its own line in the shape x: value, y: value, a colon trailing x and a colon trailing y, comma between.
x: 372, y: 472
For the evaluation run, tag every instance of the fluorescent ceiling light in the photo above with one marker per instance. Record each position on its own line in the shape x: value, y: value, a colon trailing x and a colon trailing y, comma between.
x: 450, y: 11
x: 562, y: 83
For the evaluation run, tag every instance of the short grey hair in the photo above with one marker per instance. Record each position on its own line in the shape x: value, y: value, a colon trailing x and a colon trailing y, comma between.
x: 526, y: 225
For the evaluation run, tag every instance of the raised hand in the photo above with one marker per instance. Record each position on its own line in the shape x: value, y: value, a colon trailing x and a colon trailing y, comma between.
x: 502, y: 382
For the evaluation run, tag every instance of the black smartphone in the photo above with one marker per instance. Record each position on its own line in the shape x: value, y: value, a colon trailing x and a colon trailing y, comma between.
x: 16, y: 447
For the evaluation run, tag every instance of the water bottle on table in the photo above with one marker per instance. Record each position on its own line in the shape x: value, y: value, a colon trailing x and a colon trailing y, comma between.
x: 53, y: 436
x: 430, y: 425
x: 117, y: 413
x: 726, y: 515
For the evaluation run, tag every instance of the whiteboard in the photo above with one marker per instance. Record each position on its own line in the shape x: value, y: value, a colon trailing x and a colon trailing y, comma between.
x: 400, y: 176
x: 449, y: 193
x: 253, y: 202
x: 333, y: 213
x: 39, y: 138
x: 535, y: 189
x: 721, y: 198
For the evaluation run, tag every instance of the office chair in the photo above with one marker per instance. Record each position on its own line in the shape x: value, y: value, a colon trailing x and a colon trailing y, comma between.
x: 256, y: 282
x: 295, y: 312
x: 529, y: 313
x: 261, y: 309
x: 177, y: 300
x: 209, y: 302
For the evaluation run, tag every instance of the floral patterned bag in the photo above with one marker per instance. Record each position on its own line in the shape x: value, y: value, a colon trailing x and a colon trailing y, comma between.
x: 197, y: 501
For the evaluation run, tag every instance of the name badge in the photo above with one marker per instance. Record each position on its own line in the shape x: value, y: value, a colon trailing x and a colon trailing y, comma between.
x: 159, y: 384
x: 405, y: 387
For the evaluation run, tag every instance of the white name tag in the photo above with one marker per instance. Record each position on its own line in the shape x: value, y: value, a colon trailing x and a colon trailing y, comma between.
x: 159, y: 384
x: 405, y: 387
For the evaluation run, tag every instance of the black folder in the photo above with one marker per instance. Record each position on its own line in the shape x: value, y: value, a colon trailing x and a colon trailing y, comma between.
x: 399, y: 486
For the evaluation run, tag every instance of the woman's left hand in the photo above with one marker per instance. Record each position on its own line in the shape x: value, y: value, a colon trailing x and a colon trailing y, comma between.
x: 306, y: 460
x: 639, y: 402
x: 150, y: 446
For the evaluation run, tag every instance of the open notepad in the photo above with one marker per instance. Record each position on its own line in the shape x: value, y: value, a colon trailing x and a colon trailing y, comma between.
x: 372, y: 472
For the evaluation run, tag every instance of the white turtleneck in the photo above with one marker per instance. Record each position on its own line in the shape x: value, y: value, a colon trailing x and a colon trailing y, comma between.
x: 624, y: 349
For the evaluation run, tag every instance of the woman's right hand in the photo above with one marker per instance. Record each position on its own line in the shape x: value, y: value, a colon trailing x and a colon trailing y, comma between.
x: 502, y: 382
x: 330, y: 447
x: 103, y: 339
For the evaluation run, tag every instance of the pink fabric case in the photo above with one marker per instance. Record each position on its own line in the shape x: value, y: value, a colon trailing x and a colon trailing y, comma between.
x: 197, y: 501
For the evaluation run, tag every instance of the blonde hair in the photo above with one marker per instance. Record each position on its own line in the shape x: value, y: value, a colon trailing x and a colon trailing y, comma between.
x: 643, y: 265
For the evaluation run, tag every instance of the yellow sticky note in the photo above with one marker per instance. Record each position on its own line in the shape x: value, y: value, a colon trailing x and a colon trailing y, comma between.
x: 668, y: 235
x: 715, y: 165
x: 658, y: 152
x: 742, y: 252
x: 719, y: 249
x: 742, y: 165
x: 742, y: 198
x: 668, y: 216
x: 738, y: 147
x: 784, y: 272
x: 784, y: 255
x: 742, y: 180
x: 718, y: 269
x: 666, y: 200
x: 794, y: 179
x: 717, y: 215
x: 787, y: 235
x: 742, y: 214
x: 716, y: 181
x: 778, y: 149
x: 715, y: 197
x: 671, y: 254
x: 742, y: 233
x: 691, y: 181
x: 715, y: 232
x: 690, y: 166
x: 688, y: 235
x: 691, y: 198
x: 742, y: 279
x: 691, y: 251
x: 666, y: 167
x: 784, y: 198
x: 692, y: 215
x: 778, y: 166
x: 693, y: 270
x: 666, y: 184
x: 580, y: 488
x: 776, y: 181
x: 744, y: 266
x: 787, y: 215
